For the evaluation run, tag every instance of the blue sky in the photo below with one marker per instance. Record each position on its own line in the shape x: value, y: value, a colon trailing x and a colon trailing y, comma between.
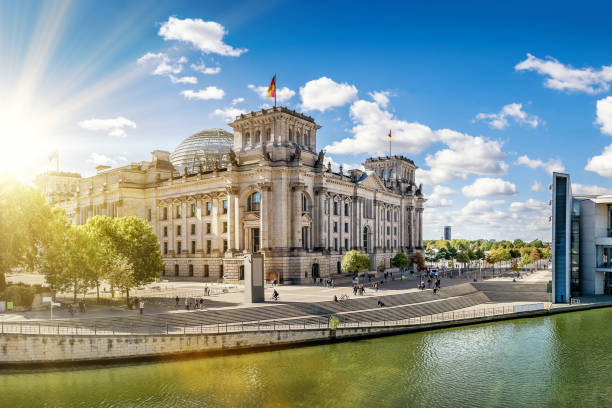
x: 486, y: 99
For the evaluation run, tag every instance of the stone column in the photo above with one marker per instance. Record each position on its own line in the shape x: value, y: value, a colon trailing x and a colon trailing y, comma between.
x: 231, y: 192
x: 420, y: 228
x: 264, y: 188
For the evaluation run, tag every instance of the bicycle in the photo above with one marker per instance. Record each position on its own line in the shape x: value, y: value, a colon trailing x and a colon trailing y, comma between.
x: 343, y: 297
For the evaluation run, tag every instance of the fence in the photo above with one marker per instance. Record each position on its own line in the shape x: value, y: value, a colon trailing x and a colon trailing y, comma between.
x: 65, y: 327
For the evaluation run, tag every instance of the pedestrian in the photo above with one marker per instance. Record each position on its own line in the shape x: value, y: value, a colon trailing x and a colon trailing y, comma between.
x: 335, y: 298
x: 332, y: 283
x: 376, y: 286
x: 177, y: 300
x: 201, y: 303
x: 141, y: 307
x: 186, y: 304
x: 435, y: 290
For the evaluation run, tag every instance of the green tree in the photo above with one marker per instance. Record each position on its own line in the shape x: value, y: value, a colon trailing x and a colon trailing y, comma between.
x: 463, y: 257
x: 356, y: 261
x: 400, y: 260
x: 24, y: 219
x: 101, y: 230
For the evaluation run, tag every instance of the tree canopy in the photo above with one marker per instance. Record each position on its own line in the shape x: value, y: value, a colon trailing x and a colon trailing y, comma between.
x: 356, y: 261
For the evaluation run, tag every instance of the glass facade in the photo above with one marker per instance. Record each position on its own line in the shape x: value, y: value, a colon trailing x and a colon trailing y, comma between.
x: 575, y: 248
x: 207, y: 149
x: 559, y: 237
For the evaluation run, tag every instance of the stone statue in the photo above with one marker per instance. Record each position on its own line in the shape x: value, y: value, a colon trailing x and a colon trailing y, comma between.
x: 298, y: 153
x: 232, y: 158
x: 319, y: 161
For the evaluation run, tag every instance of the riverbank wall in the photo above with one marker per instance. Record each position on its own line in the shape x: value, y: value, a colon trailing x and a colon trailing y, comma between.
x: 34, y: 349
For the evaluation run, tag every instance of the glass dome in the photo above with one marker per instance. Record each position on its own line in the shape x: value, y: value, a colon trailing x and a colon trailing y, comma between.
x: 208, y: 148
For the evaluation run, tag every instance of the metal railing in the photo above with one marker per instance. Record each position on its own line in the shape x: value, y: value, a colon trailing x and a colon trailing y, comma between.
x: 65, y: 327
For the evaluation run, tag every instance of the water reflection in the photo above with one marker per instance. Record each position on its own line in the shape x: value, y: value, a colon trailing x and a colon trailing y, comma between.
x: 557, y: 361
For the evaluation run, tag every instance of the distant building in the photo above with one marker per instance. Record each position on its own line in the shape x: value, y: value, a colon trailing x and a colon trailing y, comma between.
x: 447, y: 233
x: 582, y: 242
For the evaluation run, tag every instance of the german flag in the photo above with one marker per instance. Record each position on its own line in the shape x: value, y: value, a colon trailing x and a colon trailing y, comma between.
x: 272, y: 88
x: 389, y: 134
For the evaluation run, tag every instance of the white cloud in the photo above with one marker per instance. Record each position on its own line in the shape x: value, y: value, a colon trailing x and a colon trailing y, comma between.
x: 202, y: 68
x: 370, y: 130
x: 207, y: 36
x: 601, y: 164
x: 592, y: 189
x: 228, y: 114
x: 282, y: 94
x: 529, y: 205
x: 115, y: 127
x: 323, y: 93
x: 149, y: 56
x: 536, y: 186
x: 604, y: 115
x: 487, y: 187
x: 381, y: 97
x: 465, y: 155
x: 512, y: 111
x: 101, y: 160
x: 237, y: 100
x: 438, y: 197
x: 183, y: 80
x: 551, y: 165
x: 211, y: 92
x: 336, y: 166
x: 564, y: 77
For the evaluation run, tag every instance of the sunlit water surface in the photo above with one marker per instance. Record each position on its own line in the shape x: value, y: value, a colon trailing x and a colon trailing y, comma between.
x: 559, y: 361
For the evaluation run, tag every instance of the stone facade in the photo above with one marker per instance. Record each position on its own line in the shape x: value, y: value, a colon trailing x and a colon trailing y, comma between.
x: 275, y: 196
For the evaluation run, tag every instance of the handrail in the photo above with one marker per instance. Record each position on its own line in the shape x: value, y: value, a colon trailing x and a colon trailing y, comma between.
x: 298, y: 323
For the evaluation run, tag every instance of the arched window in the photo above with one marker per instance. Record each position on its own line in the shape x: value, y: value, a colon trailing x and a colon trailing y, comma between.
x: 383, y: 174
x: 392, y: 173
x: 254, y: 202
x: 395, y: 216
x: 365, y: 240
x: 257, y: 137
x: 190, y: 270
x: 304, y: 203
x: 388, y: 216
x: 268, y: 134
x: 247, y: 138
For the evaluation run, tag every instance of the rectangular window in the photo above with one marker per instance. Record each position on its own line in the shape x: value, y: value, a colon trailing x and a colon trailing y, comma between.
x: 335, y: 208
x: 208, y: 228
x: 208, y: 246
x: 220, y: 271
x: 346, y: 244
x: 224, y: 206
x: 224, y: 227
x: 165, y: 248
x: 346, y: 210
x: 178, y: 230
x: 165, y: 213
x: 388, y: 230
x: 193, y: 210
x: 179, y: 211
x: 193, y: 247
x: 388, y: 244
x: 395, y: 243
x: 335, y: 244
x: 149, y: 214
x: 208, y: 207
x: 225, y: 245
x: 346, y: 227
x: 193, y: 231
x: 394, y: 230
x: 179, y: 247
x: 335, y: 226
x: 165, y: 231
x: 206, y: 271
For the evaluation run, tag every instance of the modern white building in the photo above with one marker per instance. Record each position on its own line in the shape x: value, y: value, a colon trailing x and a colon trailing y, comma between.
x: 582, y: 242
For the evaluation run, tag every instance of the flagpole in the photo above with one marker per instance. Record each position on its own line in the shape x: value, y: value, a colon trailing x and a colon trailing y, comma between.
x: 275, y: 88
x: 389, y: 142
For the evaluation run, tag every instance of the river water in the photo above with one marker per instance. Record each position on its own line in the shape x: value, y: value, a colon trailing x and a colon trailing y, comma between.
x: 559, y: 361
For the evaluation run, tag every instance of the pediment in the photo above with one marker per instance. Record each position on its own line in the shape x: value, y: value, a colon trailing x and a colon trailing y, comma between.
x: 252, y: 216
x: 373, y: 181
x: 306, y: 219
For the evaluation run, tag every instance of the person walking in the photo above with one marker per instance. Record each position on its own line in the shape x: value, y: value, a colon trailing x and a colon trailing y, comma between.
x: 201, y: 303
x: 186, y: 304
x: 177, y: 300
x: 141, y: 306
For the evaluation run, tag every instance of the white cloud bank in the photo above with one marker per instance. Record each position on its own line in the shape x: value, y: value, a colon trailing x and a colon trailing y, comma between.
x: 536, y: 186
x: 564, y: 77
x: 601, y: 164
x: 604, y: 115
x: 530, y: 205
x: 203, y: 69
x: 211, y: 92
x: 551, y: 165
x: 323, y: 93
x: 512, y: 111
x: 207, y: 36
x: 115, y: 127
x: 590, y: 189
x: 438, y: 197
x: 282, y: 94
x: 488, y: 187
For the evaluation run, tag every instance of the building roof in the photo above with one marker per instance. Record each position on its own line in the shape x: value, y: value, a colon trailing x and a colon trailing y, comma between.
x: 203, y: 147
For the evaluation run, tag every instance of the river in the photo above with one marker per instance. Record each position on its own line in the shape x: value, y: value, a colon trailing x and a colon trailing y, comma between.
x: 558, y: 361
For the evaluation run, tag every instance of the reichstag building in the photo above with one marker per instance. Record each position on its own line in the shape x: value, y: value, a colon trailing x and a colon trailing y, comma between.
x: 264, y: 188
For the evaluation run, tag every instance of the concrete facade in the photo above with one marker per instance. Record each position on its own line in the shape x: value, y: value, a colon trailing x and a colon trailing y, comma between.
x: 274, y: 195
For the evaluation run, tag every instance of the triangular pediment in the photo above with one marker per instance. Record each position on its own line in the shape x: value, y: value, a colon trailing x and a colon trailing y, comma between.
x: 373, y: 181
x: 252, y: 216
